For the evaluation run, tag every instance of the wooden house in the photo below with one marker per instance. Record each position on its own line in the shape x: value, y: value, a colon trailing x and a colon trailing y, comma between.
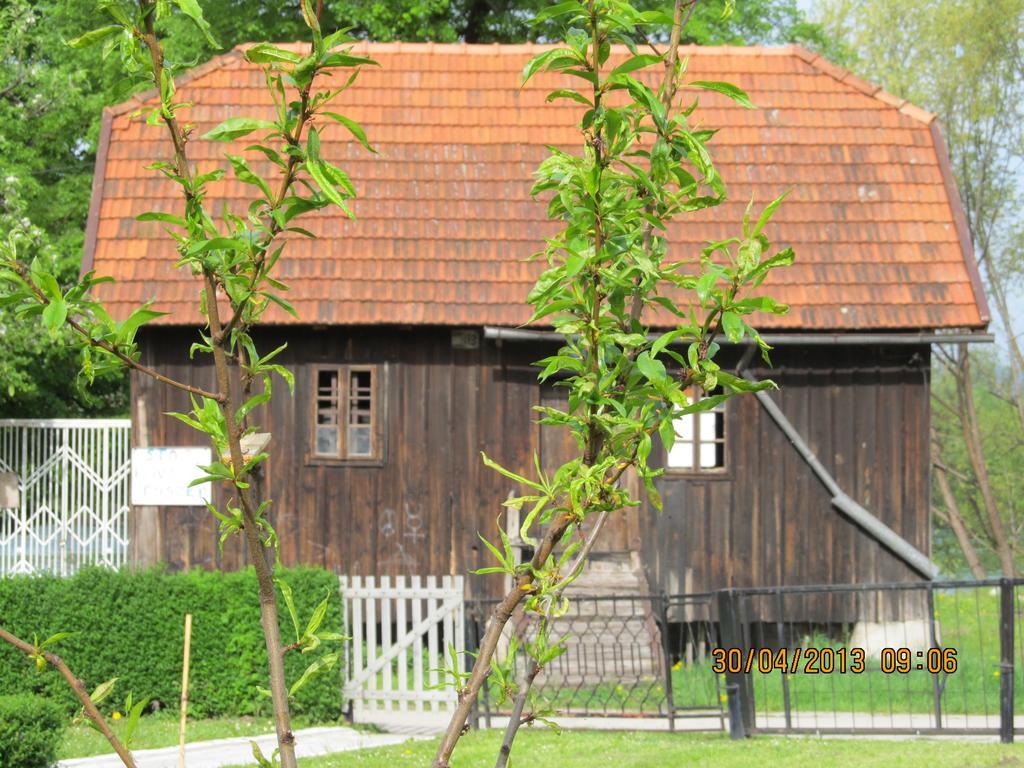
x: 409, y: 358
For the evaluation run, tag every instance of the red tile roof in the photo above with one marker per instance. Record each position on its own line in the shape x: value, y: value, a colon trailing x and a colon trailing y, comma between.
x: 445, y: 219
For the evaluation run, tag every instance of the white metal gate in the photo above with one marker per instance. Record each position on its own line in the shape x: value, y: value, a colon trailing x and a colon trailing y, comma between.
x: 72, y: 482
x: 403, y: 637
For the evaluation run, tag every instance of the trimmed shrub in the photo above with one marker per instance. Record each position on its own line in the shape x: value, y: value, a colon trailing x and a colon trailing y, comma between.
x: 130, y: 625
x: 30, y: 731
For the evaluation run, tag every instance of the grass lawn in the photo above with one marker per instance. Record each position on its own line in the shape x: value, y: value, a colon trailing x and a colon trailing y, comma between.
x: 161, y: 730
x: 544, y: 749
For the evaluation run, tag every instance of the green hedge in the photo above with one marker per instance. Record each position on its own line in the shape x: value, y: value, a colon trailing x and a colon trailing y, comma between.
x: 30, y: 731
x: 131, y: 625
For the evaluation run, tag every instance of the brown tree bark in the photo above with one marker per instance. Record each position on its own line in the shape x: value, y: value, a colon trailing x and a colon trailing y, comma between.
x: 956, y: 523
x: 976, y: 455
x: 1012, y: 342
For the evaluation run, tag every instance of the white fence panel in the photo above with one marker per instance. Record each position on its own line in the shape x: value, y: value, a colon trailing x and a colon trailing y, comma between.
x: 403, y: 632
x: 72, y: 480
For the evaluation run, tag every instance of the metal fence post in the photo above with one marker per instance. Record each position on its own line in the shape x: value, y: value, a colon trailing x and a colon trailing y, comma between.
x: 731, y: 635
x: 666, y: 654
x: 937, y: 688
x: 1006, y: 626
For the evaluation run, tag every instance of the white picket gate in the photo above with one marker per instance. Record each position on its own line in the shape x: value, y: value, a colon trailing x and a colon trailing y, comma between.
x: 72, y: 488
x: 403, y: 635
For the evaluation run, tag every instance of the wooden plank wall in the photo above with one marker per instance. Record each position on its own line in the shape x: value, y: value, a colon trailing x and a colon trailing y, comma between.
x: 768, y: 521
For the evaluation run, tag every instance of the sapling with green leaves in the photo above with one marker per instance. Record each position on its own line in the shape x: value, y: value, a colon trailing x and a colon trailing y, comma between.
x: 609, y: 279
x: 233, y: 259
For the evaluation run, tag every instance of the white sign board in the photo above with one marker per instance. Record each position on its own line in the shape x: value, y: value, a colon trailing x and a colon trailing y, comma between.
x: 161, y: 477
x: 9, y: 496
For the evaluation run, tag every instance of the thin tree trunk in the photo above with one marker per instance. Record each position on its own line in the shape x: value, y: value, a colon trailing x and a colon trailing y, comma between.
x: 256, y: 548
x: 976, y: 454
x: 515, y: 720
x: 1012, y: 342
x: 500, y: 616
x: 503, y: 611
x: 956, y: 522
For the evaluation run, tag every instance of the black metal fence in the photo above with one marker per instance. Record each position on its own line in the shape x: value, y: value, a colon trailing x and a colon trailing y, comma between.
x: 924, y: 658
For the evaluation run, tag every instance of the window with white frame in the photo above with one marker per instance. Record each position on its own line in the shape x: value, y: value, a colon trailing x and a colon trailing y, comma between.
x: 700, y: 441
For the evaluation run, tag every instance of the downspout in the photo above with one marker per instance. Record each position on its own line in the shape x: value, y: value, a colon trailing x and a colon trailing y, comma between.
x: 903, y: 549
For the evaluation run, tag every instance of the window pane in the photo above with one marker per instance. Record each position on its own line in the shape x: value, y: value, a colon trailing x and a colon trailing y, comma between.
x: 359, y: 441
x: 360, y: 413
x: 327, y: 413
x: 707, y: 426
x: 327, y: 441
x: 708, y: 455
x: 700, y: 440
x: 681, y: 456
x: 684, y: 427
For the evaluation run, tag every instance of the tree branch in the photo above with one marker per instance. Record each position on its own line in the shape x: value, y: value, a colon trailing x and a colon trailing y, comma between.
x: 127, y: 360
x: 90, y: 708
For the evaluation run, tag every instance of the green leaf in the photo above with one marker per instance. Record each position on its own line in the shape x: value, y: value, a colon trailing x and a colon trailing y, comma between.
x: 667, y: 338
x: 560, y: 9
x: 325, y: 662
x: 53, y: 639
x: 650, y: 367
x: 354, y: 128
x: 54, y: 315
x: 706, y: 283
x: 317, y: 618
x: 126, y: 331
x: 103, y: 690
x: 94, y: 36
x: 257, y: 753
x: 761, y: 304
x: 733, y: 92
x: 192, y: 9
x: 134, y: 713
x: 169, y: 218
x: 289, y: 601
x: 246, y: 175
x: 732, y: 324
x: 568, y: 93
x: 236, y: 127
x: 509, y: 474
x: 667, y: 432
x: 265, y: 53
x: 634, y: 63
x: 348, y: 60
x: 309, y: 16
x: 766, y: 214
x: 549, y: 60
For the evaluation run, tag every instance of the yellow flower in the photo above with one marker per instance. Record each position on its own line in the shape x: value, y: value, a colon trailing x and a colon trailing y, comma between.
x: 677, y: 666
x: 116, y: 716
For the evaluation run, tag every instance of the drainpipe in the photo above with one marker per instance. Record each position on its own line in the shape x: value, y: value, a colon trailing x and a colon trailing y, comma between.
x: 902, y: 548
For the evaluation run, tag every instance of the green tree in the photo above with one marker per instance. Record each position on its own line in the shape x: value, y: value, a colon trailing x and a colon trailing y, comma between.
x: 964, y: 60
x: 610, y: 276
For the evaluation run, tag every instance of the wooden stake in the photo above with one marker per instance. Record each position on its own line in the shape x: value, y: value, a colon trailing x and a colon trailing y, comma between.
x: 184, y: 690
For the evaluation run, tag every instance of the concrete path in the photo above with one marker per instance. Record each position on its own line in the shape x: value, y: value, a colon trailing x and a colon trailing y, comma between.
x: 310, y: 742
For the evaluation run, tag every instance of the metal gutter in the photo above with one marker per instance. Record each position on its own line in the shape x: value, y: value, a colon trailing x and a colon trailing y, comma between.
x: 778, y: 339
